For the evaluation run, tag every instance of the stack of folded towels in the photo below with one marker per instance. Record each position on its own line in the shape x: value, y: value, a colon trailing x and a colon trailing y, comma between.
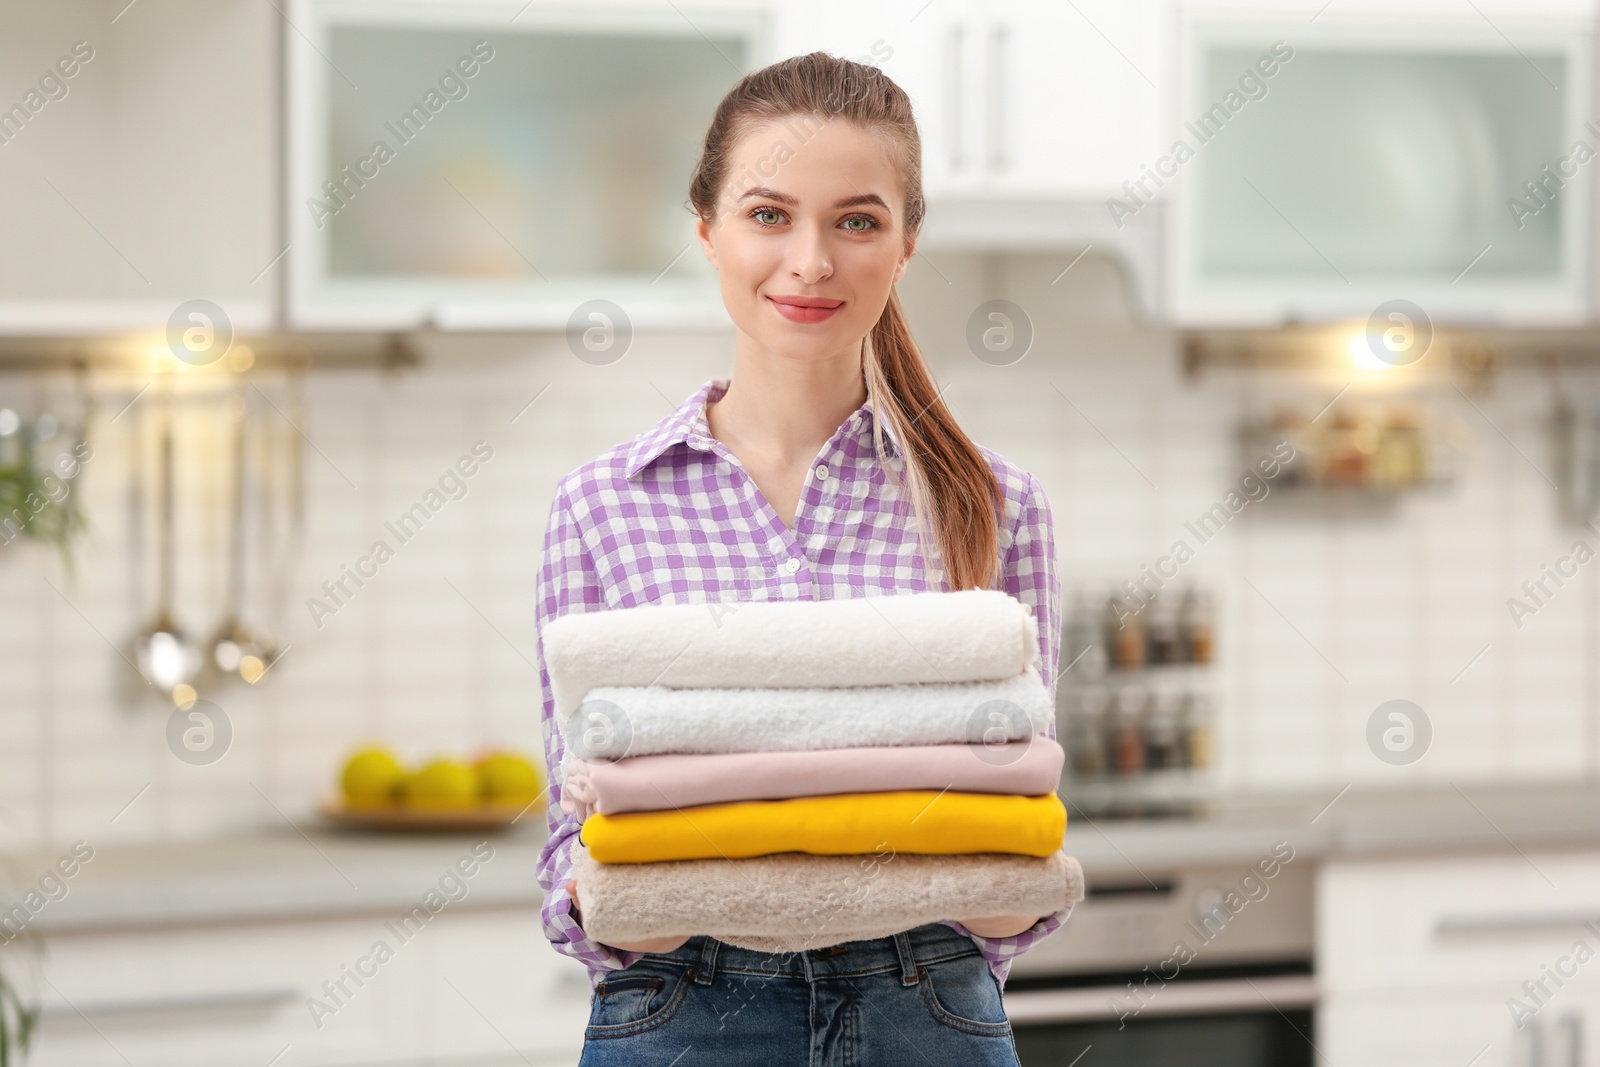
x: 787, y: 775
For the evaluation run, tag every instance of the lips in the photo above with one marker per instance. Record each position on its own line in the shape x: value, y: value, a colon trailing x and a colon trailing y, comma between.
x: 805, y: 308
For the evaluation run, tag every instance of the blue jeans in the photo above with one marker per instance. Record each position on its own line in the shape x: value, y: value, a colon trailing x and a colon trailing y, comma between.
x: 925, y: 996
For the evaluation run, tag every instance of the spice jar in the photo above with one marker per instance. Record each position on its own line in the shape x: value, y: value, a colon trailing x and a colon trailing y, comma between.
x: 1163, y: 638
x: 1087, y: 732
x: 1399, y: 462
x: 1082, y: 650
x: 1125, y: 634
x: 1163, y: 734
x: 1127, y: 734
x: 1198, y: 731
x: 1196, y: 622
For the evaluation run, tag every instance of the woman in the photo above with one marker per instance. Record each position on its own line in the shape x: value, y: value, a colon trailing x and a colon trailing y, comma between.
x: 809, y: 474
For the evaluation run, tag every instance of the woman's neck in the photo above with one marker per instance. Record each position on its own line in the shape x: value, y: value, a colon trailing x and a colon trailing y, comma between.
x: 783, y: 409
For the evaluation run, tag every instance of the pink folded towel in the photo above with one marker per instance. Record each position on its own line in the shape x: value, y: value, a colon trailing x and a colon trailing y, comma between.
x: 662, y: 782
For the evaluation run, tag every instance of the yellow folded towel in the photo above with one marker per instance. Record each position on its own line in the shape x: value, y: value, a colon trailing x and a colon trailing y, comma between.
x: 913, y: 820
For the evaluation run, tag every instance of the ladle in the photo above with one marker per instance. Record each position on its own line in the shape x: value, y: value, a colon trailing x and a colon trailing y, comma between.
x: 163, y: 653
x: 233, y: 650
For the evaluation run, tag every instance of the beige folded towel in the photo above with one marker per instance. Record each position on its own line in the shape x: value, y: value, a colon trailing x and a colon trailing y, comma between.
x: 969, y: 635
x: 792, y: 902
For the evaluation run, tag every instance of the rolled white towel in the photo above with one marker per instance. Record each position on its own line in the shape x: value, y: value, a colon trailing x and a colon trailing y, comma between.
x: 618, y: 721
x: 965, y: 636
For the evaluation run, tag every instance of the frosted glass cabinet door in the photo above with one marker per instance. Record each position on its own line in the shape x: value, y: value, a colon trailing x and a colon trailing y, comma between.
x: 1359, y: 172
x: 447, y: 162
x: 578, y: 147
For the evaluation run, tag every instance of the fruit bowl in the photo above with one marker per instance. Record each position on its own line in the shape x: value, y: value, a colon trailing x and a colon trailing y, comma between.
x: 401, y: 818
x: 376, y: 792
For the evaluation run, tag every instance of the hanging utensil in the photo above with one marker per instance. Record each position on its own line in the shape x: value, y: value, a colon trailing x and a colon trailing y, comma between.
x: 163, y: 653
x: 233, y: 650
x: 1577, y: 440
x: 137, y: 537
x: 82, y: 451
x: 289, y: 482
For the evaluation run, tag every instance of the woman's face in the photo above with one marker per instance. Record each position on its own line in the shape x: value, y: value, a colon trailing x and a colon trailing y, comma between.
x: 810, y: 214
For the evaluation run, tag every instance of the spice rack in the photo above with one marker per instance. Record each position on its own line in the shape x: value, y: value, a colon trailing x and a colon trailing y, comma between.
x: 1376, y: 447
x: 1136, y: 702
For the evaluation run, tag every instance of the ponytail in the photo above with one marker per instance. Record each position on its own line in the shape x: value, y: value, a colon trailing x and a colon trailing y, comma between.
x: 953, y: 491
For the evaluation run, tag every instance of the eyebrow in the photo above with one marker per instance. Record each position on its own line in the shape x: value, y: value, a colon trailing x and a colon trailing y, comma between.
x: 783, y: 198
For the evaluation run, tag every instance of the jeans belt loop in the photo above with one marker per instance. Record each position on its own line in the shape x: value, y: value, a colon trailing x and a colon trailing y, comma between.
x: 908, y: 963
x: 708, y: 961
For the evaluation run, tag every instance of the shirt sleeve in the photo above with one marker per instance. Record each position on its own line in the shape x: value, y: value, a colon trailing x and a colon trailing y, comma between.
x: 1030, y: 574
x: 568, y: 582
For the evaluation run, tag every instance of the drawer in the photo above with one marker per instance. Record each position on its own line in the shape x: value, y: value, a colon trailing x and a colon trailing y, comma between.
x: 223, y: 996
x: 480, y: 987
x: 498, y: 985
x: 1478, y: 921
x: 1457, y: 1032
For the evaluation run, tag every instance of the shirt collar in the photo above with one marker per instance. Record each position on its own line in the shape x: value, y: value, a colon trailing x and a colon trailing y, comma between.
x: 689, y: 425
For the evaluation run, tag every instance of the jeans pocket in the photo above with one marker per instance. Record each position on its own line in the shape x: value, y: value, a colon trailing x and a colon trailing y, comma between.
x: 962, y: 994
x: 636, y: 999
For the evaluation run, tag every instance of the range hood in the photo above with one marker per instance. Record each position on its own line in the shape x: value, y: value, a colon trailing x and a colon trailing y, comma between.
x: 999, y: 223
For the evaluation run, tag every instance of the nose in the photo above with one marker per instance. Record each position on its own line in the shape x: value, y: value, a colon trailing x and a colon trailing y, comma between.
x: 809, y: 258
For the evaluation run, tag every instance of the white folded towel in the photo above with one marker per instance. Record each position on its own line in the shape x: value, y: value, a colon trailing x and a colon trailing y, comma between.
x: 965, y: 636
x: 618, y: 721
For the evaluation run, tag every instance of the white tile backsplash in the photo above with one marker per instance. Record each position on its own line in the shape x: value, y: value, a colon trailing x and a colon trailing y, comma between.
x: 435, y: 653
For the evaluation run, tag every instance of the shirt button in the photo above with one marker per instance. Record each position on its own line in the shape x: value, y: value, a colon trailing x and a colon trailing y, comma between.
x: 790, y: 566
x: 822, y: 472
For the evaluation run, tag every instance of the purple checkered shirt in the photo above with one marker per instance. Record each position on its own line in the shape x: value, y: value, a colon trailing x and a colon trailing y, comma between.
x: 672, y: 517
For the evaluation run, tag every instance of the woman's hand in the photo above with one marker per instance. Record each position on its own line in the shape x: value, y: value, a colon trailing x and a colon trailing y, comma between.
x: 651, y: 944
x: 1000, y: 925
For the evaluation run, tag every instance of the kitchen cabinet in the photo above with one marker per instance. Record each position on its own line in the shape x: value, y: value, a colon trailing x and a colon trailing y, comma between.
x: 1334, y: 167
x: 1441, y: 960
x: 497, y: 987
x: 479, y: 986
x: 145, y: 178
x: 1460, y: 1031
x: 502, y: 165
x: 1031, y: 115
x: 1019, y: 98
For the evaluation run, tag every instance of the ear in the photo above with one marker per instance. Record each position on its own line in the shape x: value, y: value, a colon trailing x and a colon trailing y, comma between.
x: 703, y: 230
x: 905, y: 260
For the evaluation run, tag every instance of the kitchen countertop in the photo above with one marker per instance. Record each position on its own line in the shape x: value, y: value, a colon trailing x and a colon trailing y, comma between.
x: 278, y: 875
x: 290, y: 875
x: 1352, y: 823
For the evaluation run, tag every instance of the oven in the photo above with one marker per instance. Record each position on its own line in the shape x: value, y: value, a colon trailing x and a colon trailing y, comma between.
x: 1205, y: 965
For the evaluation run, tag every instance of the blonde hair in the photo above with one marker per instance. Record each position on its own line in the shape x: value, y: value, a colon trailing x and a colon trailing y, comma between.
x: 952, y: 489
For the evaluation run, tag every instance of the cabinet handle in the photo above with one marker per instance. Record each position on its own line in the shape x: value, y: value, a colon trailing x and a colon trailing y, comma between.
x: 996, y: 97
x: 244, y: 998
x: 1570, y: 1046
x: 953, y: 97
x: 1511, y: 922
x: 1088, y: 1004
x: 1530, y: 1047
